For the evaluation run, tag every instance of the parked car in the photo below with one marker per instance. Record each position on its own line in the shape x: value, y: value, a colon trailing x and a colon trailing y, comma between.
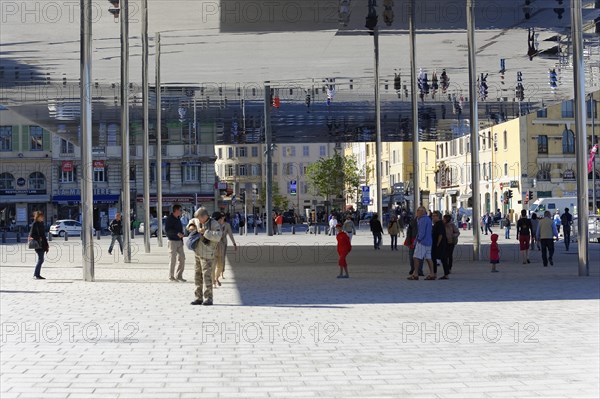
x: 71, y: 227
x: 593, y: 228
x: 153, y: 227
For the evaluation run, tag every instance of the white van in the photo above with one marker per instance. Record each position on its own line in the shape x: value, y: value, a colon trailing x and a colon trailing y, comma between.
x: 553, y: 204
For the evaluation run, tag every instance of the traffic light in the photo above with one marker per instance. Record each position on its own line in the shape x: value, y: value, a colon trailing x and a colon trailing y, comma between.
x: 307, y: 100
x: 115, y: 10
x: 444, y: 81
x: 397, y: 82
x: 553, y: 78
x: 510, y: 194
x: 520, y: 92
x: 242, y: 195
x: 526, y: 198
x: 530, y: 196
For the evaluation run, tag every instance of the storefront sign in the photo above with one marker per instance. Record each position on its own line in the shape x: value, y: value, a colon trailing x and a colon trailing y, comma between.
x: 67, y: 166
x: 514, y: 184
x: 98, y: 166
x: 21, y: 182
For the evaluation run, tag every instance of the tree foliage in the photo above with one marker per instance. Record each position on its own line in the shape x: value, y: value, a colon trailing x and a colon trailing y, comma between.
x: 332, y: 177
x: 279, y: 201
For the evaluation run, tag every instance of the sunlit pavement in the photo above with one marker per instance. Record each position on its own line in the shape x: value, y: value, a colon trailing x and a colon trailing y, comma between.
x: 284, y: 326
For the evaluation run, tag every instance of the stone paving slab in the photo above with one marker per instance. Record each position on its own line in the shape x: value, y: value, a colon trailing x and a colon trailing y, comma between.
x: 284, y: 326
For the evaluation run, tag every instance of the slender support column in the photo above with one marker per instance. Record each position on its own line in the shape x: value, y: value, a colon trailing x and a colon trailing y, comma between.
x: 415, y: 105
x: 593, y: 110
x: 583, y: 199
x: 159, y: 144
x: 378, y: 171
x: 269, y: 161
x: 87, y: 194
x: 474, y: 124
x: 125, y: 188
x: 146, y: 138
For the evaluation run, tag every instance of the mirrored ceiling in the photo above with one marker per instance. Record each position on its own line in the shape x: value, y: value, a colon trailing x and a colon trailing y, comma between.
x: 216, y: 56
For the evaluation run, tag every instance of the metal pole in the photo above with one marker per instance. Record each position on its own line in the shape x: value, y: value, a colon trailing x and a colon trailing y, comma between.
x: 379, y: 205
x: 126, y: 193
x: 269, y: 156
x: 158, y: 144
x: 593, y: 110
x: 146, y: 138
x: 87, y: 193
x: 581, y: 137
x: 474, y: 122
x: 415, y: 104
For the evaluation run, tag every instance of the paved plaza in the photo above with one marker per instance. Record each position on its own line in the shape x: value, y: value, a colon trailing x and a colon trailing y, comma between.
x: 283, y: 326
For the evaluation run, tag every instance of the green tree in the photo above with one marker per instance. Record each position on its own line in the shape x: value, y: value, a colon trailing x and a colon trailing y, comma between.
x: 279, y: 201
x: 333, y: 177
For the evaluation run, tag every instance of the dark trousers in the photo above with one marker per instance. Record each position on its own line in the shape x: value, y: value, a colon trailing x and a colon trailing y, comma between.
x: 394, y: 238
x: 450, y: 255
x: 567, y: 235
x: 488, y: 227
x: 377, y: 240
x: 118, y: 238
x: 547, y: 245
x: 38, y: 265
x: 443, y: 258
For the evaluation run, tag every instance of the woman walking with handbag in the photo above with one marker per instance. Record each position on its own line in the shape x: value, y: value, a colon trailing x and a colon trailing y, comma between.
x: 38, y: 235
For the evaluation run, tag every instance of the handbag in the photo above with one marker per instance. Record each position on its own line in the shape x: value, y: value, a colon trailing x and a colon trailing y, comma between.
x: 34, y: 244
x: 192, y: 241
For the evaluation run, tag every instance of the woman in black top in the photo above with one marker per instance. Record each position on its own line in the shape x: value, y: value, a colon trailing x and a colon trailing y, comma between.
x: 377, y: 231
x: 38, y: 233
x: 439, y: 245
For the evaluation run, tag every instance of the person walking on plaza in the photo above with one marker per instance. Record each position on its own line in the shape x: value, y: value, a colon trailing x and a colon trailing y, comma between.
x: 423, y: 243
x: 348, y: 227
x: 494, y: 252
x: 566, y: 220
x: 116, y: 233
x: 377, y: 230
x: 410, y: 242
x: 221, y: 251
x: 439, y: 245
x: 557, y: 221
x: 534, y: 225
x: 279, y: 223
x: 343, y: 248
x: 452, y: 233
x: 393, y: 231
x: 174, y: 230
x: 546, y: 232
x: 488, y: 223
x: 38, y: 233
x: 524, y: 232
x: 332, y: 225
x: 506, y: 222
x: 204, y: 253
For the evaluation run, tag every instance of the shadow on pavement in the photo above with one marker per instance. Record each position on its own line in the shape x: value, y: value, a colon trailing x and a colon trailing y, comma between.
x: 294, y: 275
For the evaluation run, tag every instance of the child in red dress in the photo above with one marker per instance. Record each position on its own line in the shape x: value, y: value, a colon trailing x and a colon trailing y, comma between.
x: 343, y: 247
x: 494, y: 252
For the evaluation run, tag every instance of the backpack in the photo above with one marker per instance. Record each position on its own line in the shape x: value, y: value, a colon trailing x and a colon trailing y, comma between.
x: 192, y: 241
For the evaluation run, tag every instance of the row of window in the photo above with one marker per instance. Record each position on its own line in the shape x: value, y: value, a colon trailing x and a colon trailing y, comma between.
x: 36, y: 181
x: 288, y: 169
x: 568, y: 143
x: 567, y: 110
x: 286, y: 151
x: 36, y: 138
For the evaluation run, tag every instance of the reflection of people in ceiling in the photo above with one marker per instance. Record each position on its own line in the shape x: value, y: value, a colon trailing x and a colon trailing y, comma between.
x: 344, y: 16
x: 531, y: 50
x: 388, y: 13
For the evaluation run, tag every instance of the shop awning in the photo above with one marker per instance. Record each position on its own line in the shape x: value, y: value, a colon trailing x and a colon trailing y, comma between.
x: 31, y: 199
x: 76, y: 199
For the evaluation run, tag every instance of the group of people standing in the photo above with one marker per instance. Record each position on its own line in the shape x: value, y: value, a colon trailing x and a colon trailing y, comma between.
x: 431, y: 240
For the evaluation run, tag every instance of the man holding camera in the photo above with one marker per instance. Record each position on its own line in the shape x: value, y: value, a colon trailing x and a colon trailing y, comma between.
x: 205, y: 252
